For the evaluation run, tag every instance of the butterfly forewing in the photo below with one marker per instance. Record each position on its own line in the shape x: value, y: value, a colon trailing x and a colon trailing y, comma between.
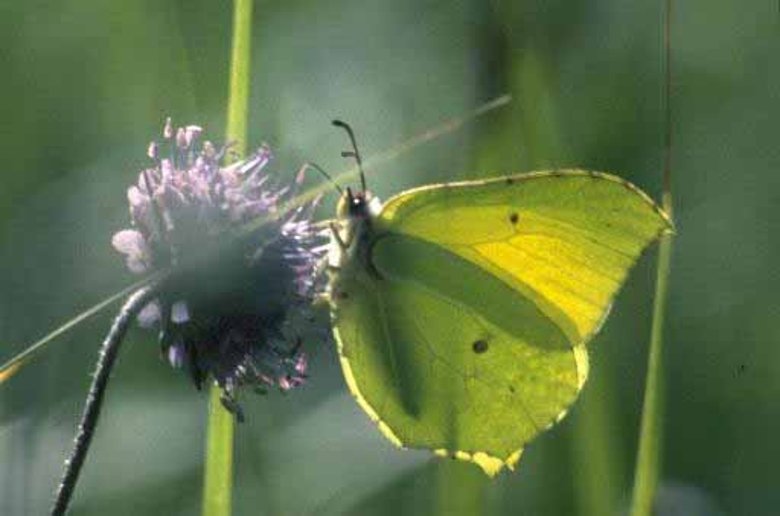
x: 565, y: 239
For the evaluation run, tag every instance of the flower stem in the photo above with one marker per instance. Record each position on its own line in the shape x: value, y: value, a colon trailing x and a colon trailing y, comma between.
x: 650, y: 439
x: 218, y: 482
x: 218, y: 474
x: 108, y: 353
x: 238, y: 95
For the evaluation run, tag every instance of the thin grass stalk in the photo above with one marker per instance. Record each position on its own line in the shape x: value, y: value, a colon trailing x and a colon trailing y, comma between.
x: 648, y: 463
x: 218, y: 474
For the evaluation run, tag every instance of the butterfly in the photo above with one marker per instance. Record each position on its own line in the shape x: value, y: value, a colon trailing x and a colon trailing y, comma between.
x: 462, y: 311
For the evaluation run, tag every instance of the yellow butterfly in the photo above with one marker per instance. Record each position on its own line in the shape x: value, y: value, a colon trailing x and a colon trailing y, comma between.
x: 462, y: 310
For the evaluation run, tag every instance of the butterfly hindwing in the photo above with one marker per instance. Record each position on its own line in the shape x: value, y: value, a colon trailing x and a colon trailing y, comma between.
x: 448, y: 357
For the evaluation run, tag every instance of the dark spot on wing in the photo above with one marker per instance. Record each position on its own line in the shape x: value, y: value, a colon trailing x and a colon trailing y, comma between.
x: 480, y: 346
x: 514, y: 217
x: 512, y: 389
x: 509, y: 180
x: 342, y: 294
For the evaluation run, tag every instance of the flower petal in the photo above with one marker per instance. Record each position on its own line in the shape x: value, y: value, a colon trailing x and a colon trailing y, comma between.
x: 152, y: 150
x: 179, y: 312
x: 129, y: 241
x: 136, y: 198
x: 177, y: 352
x: 168, y: 129
x: 149, y: 315
x: 191, y: 133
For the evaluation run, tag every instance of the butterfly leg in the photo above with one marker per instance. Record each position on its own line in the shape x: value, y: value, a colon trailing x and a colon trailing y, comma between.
x: 337, y: 237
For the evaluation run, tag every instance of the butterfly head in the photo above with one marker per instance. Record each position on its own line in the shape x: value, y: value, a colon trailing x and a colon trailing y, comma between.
x: 358, y: 205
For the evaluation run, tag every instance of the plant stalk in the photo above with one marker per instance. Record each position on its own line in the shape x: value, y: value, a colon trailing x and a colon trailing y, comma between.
x: 218, y: 474
x: 650, y: 438
x: 648, y: 463
x: 105, y: 364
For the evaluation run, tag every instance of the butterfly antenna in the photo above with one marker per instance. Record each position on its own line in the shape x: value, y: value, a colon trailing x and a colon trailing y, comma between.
x: 306, y: 166
x: 354, y: 153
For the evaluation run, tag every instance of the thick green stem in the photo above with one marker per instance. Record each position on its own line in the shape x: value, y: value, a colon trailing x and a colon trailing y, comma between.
x: 218, y: 481
x: 218, y: 475
x: 238, y: 100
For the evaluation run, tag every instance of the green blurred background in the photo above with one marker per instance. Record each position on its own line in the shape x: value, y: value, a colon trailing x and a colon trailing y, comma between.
x: 85, y: 84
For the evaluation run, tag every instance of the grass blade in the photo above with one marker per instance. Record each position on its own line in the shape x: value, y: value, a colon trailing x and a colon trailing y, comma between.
x: 14, y: 364
x: 648, y: 463
x: 650, y: 439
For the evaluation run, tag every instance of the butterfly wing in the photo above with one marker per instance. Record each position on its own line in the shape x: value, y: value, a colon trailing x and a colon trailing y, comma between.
x: 443, y: 355
x: 565, y: 239
x: 464, y: 331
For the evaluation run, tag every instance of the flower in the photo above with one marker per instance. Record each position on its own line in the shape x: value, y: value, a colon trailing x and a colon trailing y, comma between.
x: 245, y: 266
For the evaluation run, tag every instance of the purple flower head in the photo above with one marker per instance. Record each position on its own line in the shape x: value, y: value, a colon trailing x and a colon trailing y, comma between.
x: 245, y: 266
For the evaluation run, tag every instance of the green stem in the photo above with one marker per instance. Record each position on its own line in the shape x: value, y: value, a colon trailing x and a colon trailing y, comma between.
x: 238, y: 99
x: 218, y: 475
x: 650, y: 438
x: 650, y: 442
x: 218, y: 483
